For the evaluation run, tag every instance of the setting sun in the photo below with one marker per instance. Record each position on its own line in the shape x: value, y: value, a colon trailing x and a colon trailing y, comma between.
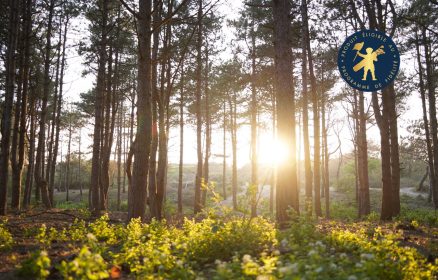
x: 272, y: 151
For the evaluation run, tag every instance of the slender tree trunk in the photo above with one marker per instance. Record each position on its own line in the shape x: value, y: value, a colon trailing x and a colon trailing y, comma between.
x: 430, y: 156
x: 15, y: 162
x: 253, y: 107
x: 316, y: 126
x: 207, y: 128
x: 52, y: 124
x: 24, y: 107
x: 142, y: 145
x: 163, y: 117
x: 31, y: 153
x: 199, y: 178
x: 67, y: 180
x: 307, y: 162
x: 287, y: 189
x: 325, y: 164
x: 364, y: 192
x: 224, y: 143
x: 432, y: 114
x: 155, y: 99
x: 79, y: 163
x: 274, y: 168
x: 39, y: 161
x: 181, y: 142
x: 233, y: 128
x: 95, y: 182
x: 395, y: 158
x: 382, y: 122
x: 58, y: 109
x: 119, y: 156
x: 6, y: 121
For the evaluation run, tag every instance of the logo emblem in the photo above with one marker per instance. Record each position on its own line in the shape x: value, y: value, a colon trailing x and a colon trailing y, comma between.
x: 368, y: 60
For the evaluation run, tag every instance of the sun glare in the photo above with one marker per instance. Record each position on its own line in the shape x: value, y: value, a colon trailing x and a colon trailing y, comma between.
x: 272, y: 152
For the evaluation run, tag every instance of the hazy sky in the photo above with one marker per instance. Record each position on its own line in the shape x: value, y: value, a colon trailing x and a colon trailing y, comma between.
x: 75, y: 83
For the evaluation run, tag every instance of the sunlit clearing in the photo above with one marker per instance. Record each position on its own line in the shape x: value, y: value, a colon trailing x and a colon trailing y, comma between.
x: 272, y: 152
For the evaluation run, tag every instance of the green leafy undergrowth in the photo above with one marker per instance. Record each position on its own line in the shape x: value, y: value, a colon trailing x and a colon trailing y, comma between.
x: 236, y: 248
x: 6, y: 239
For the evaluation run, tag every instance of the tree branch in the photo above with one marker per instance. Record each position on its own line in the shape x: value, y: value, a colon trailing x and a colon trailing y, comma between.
x: 134, y: 13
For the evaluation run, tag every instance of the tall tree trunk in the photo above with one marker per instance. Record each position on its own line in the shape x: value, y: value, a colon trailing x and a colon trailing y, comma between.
x: 39, y: 161
x: 274, y: 168
x: 382, y: 122
x: 432, y: 113
x: 119, y: 156
x: 58, y: 111
x: 316, y: 126
x: 6, y: 121
x: 163, y: 117
x: 24, y: 98
x: 364, y: 192
x: 155, y: 99
x: 181, y: 141
x: 52, y: 124
x: 31, y: 158
x: 67, y: 180
x: 430, y: 156
x: 233, y: 128
x: 142, y: 145
x: 387, y: 123
x: 97, y: 157
x: 395, y: 158
x: 326, y: 161
x: 199, y: 178
x: 253, y: 107
x: 16, y: 163
x: 287, y: 189
x: 224, y: 146
x: 79, y: 163
x: 307, y: 162
x: 207, y: 127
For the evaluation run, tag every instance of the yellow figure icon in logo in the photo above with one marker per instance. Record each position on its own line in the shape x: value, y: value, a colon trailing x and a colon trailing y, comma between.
x: 367, y: 63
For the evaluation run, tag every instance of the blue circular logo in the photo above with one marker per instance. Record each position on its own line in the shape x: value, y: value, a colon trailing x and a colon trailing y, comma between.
x: 368, y: 60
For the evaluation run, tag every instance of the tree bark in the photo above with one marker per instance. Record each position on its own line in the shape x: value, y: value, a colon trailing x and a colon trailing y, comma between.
x: 207, y: 129
x: 287, y: 189
x: 224, y: 146
x: 42, y: 184
x: 181, y: 142
x: 6, y: 121
x: 67, y: 180
x: 253, y: 108
x: 233, y: 128
x: 155, y: 99
x: 316, y: 125
x: 307, y: 162
x: 430, y: 161
x: 97, y: 157
x: 364, y: 192
x: 142, y: 145
x: 199, y: 178
x: 432, y: 114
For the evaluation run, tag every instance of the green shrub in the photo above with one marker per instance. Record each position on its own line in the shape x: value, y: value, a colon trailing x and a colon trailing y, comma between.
x: 35, y: 267
x: 421, y: 215
x: 212, y: 239
x: 87, y: 265
x: 6, y: 239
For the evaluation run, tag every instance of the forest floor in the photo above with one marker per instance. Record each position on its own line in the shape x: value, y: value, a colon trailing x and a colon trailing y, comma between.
x: 28, y: 238
x: 216, y: 246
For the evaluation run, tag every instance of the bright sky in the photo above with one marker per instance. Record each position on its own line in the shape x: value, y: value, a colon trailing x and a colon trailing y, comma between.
x: 75, y: 84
